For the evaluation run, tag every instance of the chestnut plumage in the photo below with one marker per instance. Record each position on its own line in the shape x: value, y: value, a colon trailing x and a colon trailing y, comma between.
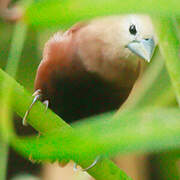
x: 92, y: 67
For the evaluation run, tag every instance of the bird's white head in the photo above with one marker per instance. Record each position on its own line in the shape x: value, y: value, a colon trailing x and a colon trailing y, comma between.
x: 139, y: 37
x: 124, y: 36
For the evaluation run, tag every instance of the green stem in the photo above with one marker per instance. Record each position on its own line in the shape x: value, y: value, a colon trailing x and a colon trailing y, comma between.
x: 7, y: 86
x: 6, y: 89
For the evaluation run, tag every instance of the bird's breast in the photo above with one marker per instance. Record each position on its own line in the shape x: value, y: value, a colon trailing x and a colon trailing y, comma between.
x: 84, y: 94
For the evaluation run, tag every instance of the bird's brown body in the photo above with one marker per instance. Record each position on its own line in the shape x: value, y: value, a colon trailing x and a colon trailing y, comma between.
x: 87, y: 70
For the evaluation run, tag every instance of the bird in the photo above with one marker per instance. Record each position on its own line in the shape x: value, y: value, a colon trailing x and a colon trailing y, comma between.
x: 92, y: 67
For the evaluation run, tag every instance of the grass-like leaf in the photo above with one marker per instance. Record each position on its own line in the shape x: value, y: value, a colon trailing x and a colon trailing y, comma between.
x: 145, y: 130
x: 6, y: 89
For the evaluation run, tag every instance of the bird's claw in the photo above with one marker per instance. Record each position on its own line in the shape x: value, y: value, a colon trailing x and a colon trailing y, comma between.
x: 46, y: 103
x: 89, y: 167
x: 37, y: 95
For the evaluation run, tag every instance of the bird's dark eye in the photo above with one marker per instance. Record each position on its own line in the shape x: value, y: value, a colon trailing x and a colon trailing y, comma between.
x: 132, y: 29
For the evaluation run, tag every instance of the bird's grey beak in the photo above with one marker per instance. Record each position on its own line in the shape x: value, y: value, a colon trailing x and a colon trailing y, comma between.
x: 143, y: 48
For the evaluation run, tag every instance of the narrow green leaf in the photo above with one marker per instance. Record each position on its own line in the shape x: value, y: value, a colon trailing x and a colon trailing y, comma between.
x: 7, y: 85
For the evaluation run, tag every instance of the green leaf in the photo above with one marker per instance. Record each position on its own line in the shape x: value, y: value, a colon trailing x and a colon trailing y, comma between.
x: 6, y: 127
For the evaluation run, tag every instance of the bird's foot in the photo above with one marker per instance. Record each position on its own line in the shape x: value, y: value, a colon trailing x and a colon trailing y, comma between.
x: 37, y: 95
x: 89, y: 167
